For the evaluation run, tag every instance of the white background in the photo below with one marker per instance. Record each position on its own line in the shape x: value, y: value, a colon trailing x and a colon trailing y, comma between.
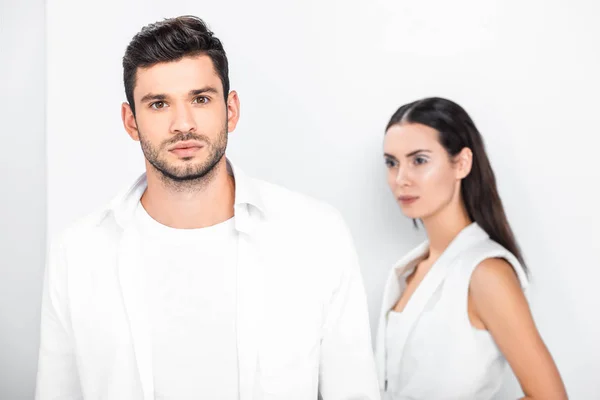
x: 318, y: 81
x: 22, y: 192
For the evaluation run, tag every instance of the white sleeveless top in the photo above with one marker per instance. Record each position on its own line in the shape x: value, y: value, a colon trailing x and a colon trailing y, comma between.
x: 430, y: 350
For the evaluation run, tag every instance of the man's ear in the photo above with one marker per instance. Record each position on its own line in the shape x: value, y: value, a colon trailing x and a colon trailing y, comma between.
x: 129, y: 121
x: 233, y: 110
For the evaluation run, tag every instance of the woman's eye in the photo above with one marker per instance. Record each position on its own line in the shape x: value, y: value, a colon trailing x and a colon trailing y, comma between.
x: 420, y: 160
x: 390, y: 163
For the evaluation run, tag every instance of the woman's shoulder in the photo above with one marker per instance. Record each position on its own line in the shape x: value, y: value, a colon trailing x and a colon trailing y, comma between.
x: 489, y: 260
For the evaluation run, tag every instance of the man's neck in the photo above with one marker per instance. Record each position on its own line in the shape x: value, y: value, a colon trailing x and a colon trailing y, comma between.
x: 190, y: 205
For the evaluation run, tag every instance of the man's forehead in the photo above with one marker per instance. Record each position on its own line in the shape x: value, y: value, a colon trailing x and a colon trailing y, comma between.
x: 179, y: 76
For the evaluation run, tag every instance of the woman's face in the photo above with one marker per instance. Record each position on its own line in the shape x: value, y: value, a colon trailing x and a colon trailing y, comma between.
x: 420, y: 173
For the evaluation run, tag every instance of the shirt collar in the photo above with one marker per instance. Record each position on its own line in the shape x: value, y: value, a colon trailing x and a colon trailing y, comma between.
x: 469, y: 235
x: 246, y: 191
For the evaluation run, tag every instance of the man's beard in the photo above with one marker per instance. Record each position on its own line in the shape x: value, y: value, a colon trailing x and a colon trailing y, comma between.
x: 190, y: 175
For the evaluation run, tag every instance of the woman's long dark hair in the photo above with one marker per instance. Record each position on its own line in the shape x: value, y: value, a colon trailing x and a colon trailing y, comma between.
x: 479, y: 192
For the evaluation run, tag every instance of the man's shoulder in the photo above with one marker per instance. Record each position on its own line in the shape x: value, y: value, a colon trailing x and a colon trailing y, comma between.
x: 282, y: 202
x: 312, y: 229
x: 87, y: 228
x: 101, y: 221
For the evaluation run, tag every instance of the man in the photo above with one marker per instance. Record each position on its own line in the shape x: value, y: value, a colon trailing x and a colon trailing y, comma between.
x: 199, y: 281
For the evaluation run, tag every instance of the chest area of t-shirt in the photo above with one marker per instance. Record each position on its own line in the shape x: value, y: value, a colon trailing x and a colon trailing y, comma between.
x: 184, y: 277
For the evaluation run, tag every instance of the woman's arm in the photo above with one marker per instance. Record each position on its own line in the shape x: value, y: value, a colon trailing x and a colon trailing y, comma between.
x: 498, y: 301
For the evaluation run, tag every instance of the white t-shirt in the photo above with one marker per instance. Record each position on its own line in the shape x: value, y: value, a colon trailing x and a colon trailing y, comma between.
x: 191, y: 286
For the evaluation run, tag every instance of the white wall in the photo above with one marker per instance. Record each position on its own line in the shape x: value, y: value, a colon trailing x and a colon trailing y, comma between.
x: 22, y: 192
x: 318, y: 81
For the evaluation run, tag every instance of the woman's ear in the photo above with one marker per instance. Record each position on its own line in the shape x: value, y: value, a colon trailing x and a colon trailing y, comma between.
x: 464, y: 163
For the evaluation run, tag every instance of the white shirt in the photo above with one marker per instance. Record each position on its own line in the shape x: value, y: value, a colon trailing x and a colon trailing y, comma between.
x: 302, y: 326
x: 430, y: 351
x: 190, y: 275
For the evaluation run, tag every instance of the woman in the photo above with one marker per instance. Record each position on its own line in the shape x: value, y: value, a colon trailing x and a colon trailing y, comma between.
x: 454, y: 312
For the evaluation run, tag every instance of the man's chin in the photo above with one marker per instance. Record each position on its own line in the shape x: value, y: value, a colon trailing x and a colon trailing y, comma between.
x: 188, y: 170
x: 185, y: 177
x: 188, y: 174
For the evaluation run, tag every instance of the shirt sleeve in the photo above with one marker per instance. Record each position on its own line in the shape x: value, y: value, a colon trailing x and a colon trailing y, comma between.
x: 347, y: 367
x: 57, y: 376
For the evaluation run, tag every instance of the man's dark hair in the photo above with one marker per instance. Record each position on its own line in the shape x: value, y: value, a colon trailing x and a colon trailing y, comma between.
x: 171, y: 40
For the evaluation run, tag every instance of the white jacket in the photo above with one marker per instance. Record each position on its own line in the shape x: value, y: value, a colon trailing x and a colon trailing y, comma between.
x: 302, y: 324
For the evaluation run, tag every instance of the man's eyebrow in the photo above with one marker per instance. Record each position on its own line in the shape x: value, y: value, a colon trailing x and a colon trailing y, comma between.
x: 208, y: 89
x: 153, y: 96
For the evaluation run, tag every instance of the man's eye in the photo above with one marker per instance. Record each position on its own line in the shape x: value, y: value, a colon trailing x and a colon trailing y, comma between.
x: 157, y: 105
x: 201, y: 100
